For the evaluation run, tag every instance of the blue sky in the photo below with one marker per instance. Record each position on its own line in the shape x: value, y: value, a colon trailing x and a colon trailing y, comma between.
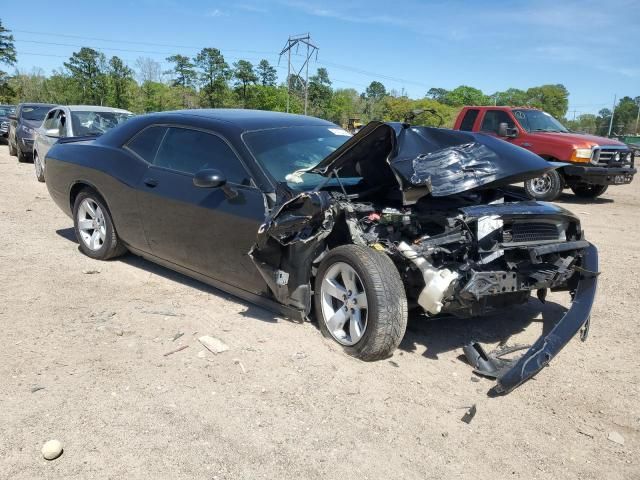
x: 593, y: 48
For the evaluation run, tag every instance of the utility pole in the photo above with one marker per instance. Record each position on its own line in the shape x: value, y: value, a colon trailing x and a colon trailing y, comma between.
x: 613, y: 111
x: 295, y: 41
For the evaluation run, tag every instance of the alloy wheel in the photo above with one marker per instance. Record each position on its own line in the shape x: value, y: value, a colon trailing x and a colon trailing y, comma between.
x: 91, y: 224
x: 344, y: 303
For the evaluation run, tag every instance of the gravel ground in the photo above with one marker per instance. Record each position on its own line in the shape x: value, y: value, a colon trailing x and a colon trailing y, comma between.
x: 283, y: 402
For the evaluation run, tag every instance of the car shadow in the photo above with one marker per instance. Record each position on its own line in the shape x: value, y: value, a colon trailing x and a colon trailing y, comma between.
x: 445, y: 334
x: 251, y: 310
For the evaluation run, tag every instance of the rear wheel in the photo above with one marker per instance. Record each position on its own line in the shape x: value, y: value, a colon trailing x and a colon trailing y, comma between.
x: 360, y: 301
x: 547, y: 187
x: 94, y: 227
x: 39, y: 167
x: 589, y: 191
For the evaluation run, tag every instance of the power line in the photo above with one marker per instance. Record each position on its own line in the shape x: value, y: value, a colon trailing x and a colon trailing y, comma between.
x: 339, y: 66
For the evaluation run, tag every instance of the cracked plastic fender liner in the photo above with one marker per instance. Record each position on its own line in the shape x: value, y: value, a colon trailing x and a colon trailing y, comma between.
x: 288, y: 242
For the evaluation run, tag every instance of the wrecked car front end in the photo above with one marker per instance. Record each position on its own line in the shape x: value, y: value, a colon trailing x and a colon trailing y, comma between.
x: 432, y: 201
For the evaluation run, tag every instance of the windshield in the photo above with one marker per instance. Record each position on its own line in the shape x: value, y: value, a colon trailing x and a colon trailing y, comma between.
x: 34, y: 113
x: 6, y: 111
x: 96, y: 123
x: 286, y: 153
x: 538, y: 121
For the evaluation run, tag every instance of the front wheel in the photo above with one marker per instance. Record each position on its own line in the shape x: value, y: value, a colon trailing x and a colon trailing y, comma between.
x: 360, y: 301
x: 22, y: 157
x: 547, y: 187
x: 589, y: 191
x: 39, y: 167
x: 94, y: 228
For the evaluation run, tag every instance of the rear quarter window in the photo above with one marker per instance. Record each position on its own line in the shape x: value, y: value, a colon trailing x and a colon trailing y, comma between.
x: 146, y: 142
x: 468, y: 120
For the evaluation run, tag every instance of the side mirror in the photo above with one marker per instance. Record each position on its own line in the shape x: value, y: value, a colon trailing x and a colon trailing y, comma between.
x: 52, y: 132
x: 505, y: 131
x: 209, y: 178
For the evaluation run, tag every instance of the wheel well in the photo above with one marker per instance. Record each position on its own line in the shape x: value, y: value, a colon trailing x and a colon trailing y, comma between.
x: 75, y: 191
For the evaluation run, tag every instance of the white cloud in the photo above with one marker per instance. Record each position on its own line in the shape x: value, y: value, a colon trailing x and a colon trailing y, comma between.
x: 216, y: 12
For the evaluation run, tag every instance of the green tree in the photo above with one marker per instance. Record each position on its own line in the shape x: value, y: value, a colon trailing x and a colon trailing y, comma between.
x: 7, y: 57
x: 553, y: 99
x: 87, y: 68
x: 266, y: 73
x: 244, y: 75
x: 214, y: 74
x: 437, y: 94
x: 376, y: 91
x: 184, y: 74
x: 120, y: 77
x: 465, y: 95
x: 320, y: 93
x: 511, y: 97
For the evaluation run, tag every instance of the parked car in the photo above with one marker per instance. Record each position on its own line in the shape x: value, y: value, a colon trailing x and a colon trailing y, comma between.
x: 295, y: 214
x: 5, y: 112
x: 73, y: 121
x: 22, y: 128
x: 591, y: 163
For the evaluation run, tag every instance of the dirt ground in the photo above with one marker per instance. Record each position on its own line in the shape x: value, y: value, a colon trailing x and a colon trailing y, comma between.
x: 284, y: 402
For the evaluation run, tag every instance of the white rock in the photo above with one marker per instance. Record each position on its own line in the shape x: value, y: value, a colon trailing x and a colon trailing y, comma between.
x: 214, y: 345
x: 52, y: 449
x: 615, y: 437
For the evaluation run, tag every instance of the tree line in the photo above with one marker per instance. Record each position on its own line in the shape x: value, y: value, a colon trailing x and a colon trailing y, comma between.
x: 207, y: 80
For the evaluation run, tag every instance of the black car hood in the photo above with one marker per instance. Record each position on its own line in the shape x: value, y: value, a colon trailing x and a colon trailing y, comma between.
x: 423, y: 160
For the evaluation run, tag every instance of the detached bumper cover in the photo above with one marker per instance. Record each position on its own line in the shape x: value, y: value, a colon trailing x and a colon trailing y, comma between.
x: 547, y: 347
x: 512, y: 373
x: 601, y: 175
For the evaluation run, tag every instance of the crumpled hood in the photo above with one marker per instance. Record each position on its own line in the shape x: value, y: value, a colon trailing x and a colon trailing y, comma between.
x: 423, y: 160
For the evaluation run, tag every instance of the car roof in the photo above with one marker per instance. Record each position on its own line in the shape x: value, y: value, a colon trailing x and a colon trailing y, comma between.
x: 251, y: 119
x: 93, y: 108
x: 36, y: 104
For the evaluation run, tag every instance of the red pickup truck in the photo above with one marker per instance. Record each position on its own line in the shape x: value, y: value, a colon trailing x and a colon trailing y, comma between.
x: 591, y: 163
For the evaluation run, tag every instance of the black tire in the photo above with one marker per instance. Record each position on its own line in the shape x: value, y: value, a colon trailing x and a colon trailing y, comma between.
x: 22, y: 157
x: 554, y: 184
x: 386, y: 301
x: 38, y: 167
x: 12, y: 149
x: 589, y: 191
x: 112, y: 246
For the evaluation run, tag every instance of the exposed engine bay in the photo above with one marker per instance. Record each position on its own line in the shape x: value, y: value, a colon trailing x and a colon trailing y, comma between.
x: 455, y: 256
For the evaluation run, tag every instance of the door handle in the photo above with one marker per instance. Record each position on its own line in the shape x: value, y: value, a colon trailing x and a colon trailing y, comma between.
x: 150, y: 182
x: 527, y: 145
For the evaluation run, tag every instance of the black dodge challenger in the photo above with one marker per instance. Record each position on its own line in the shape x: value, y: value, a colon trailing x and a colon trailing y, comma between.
x: 295, y: 214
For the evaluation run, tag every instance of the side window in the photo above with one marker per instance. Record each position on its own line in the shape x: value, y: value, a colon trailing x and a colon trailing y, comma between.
x: 492, y: 120
x: 145, y: 144
x: 51, y: 121
x: 62, y: 123
x: 189, y: 151
x: 469, y: 119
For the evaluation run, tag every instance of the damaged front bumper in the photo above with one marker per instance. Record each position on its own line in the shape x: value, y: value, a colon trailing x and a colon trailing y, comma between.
x: 512, y: 373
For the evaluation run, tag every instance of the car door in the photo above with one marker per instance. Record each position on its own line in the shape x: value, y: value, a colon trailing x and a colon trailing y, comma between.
x: 41, y: 141
x: 207, y: 230
x: 491, y: 122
